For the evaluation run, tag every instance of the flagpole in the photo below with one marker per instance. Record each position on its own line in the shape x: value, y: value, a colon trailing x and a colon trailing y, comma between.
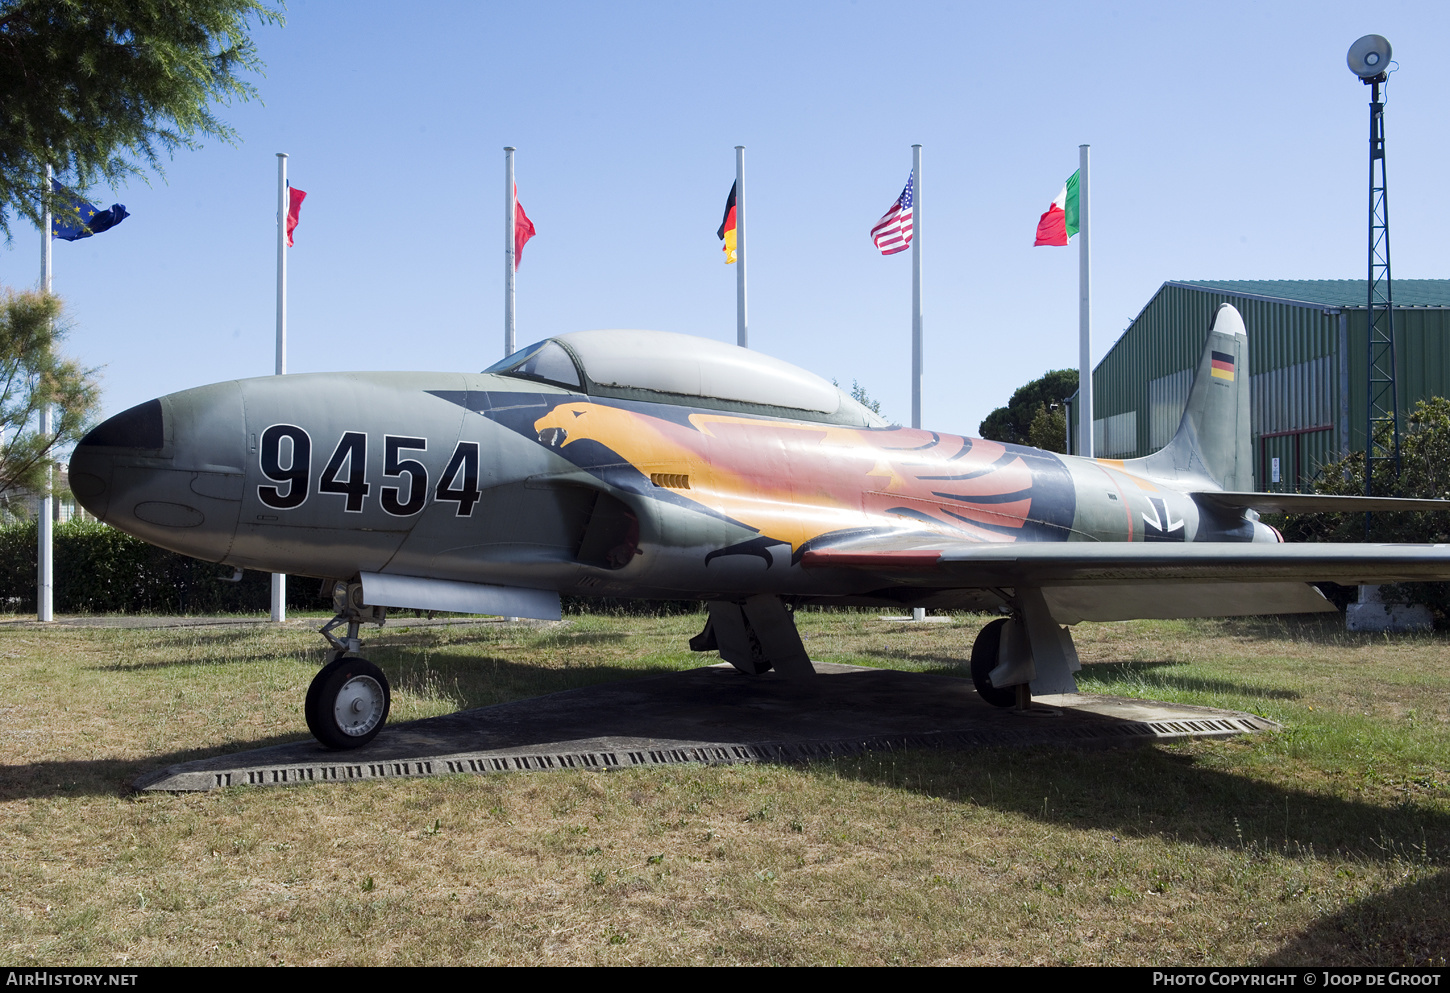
x: 1084, y: 312
x: 279, y: 579
x: 510, y: 264
x: 917, y: 613
x: 916, y: 345
x: 45, y: 577
x: 742, y: 326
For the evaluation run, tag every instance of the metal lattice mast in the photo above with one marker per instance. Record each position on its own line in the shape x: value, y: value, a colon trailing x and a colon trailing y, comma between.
x: 1382, y: 401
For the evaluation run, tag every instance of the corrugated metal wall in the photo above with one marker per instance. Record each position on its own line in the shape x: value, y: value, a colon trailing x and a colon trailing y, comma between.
x: 1422, y: 362
x: 1308, y: 389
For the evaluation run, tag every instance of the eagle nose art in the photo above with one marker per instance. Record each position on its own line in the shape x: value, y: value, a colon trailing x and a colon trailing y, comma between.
x: 169, y: 470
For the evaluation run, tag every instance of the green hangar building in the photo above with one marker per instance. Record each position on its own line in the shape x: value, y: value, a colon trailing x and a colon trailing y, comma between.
x: 1308, y: 348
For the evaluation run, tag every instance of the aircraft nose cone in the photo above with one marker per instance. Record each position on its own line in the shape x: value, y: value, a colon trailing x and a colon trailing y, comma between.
x: 168, y: 471
x: 139, y: 431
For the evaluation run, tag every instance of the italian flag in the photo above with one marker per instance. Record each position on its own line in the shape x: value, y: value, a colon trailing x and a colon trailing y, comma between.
x: 1060, y: 221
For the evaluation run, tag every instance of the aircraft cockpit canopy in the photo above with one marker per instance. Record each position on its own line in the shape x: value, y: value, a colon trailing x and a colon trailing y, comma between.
x: 545, y: 360
x: 662, y: 367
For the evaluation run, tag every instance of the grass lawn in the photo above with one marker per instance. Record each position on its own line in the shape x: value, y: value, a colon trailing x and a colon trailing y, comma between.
x: 1328, y: 843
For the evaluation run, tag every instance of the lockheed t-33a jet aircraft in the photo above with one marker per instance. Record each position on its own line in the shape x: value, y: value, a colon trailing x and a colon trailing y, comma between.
x: 660, y: 466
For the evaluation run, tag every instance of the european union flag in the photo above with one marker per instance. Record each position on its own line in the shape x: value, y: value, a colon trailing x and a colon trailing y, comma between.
x: 90, y: 220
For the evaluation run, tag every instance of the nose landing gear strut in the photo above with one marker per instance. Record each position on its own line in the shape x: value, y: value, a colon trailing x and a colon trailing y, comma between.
x: 348, y: 701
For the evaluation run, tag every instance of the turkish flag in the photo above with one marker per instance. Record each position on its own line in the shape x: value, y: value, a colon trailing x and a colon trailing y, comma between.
x: 523, y: 229
x: 294, y: 208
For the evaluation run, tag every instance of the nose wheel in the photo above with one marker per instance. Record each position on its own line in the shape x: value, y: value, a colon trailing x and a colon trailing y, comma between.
x: 347, y: 703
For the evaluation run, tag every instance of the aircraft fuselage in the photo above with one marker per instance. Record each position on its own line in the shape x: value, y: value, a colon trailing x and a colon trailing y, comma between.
x: 489, y: 479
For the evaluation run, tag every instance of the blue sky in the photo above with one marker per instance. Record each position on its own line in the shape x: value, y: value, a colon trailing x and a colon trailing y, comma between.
x: 1228, y: 143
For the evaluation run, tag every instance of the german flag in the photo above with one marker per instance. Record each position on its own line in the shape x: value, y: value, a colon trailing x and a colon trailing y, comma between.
x: 1223, y: 366
x: 727, y: 227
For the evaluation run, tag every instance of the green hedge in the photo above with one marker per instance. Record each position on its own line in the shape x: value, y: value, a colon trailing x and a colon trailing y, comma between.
x: 99, y: 570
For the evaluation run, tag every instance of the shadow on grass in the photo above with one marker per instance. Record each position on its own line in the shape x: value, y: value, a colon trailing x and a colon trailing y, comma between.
x: 108, y: 777
x: 377, y: 640
x: 377, y: 645
x: 1147, y: 791
x: 587, y: 637
x: 482, y: 681
x: 1152, y: 792
x: 1144, y: 676
x: 1405, y: 927
x: 944, y: 665
x: 466, y: 682
x: 217, y: 661
x: 211, y: 644
x: 957, y: 662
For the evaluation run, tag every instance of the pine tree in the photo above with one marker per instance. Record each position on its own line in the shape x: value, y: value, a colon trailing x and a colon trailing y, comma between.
x: 32, y: 376
x: 1048, y: 430
x: 1013, y: 422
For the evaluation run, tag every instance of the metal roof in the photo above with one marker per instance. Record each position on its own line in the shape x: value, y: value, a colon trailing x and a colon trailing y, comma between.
x: 1341, y: 293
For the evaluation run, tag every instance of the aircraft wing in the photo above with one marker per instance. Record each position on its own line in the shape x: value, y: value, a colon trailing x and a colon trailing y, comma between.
x: 1312, y: 503
x: 1082, y: 562
x: 1123, y: 580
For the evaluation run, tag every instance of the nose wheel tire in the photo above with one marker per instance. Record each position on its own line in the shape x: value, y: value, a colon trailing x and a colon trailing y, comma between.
x: 984, y: 660
x: 347, y: 703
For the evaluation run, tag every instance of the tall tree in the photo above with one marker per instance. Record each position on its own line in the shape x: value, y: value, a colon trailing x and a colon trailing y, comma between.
x: 101, y: 89
x: 1013, y: 423
x: 98, y: 90
x: 1048, y: 430
x: 33, y: 376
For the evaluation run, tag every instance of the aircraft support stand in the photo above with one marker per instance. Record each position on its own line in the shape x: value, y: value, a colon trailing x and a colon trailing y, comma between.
x: 754, y: 636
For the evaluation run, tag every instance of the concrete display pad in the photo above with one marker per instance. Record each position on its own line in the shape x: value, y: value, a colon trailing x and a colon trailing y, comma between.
x: 712, y: 715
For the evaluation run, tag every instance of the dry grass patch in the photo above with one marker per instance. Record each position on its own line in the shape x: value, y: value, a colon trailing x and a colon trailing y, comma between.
x: 1327, y: 843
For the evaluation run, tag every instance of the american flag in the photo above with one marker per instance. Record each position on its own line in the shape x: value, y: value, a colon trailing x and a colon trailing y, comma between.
x: 892, y: 233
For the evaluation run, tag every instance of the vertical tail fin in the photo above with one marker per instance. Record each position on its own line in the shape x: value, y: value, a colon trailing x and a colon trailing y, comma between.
x: 1213, y: 443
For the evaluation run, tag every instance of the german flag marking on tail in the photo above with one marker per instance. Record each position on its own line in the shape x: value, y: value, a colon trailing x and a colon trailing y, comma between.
x: 1223, y: 366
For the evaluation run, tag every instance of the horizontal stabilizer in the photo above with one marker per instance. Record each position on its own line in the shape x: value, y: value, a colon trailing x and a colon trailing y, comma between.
x: 416, y: 593
x: 1312, y: 503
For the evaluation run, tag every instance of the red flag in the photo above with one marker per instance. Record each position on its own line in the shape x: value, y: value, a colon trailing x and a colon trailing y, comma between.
x: 1061, y: 220
x: 1052, y: 228
x: 523, y: 228
x: 294, y: 208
